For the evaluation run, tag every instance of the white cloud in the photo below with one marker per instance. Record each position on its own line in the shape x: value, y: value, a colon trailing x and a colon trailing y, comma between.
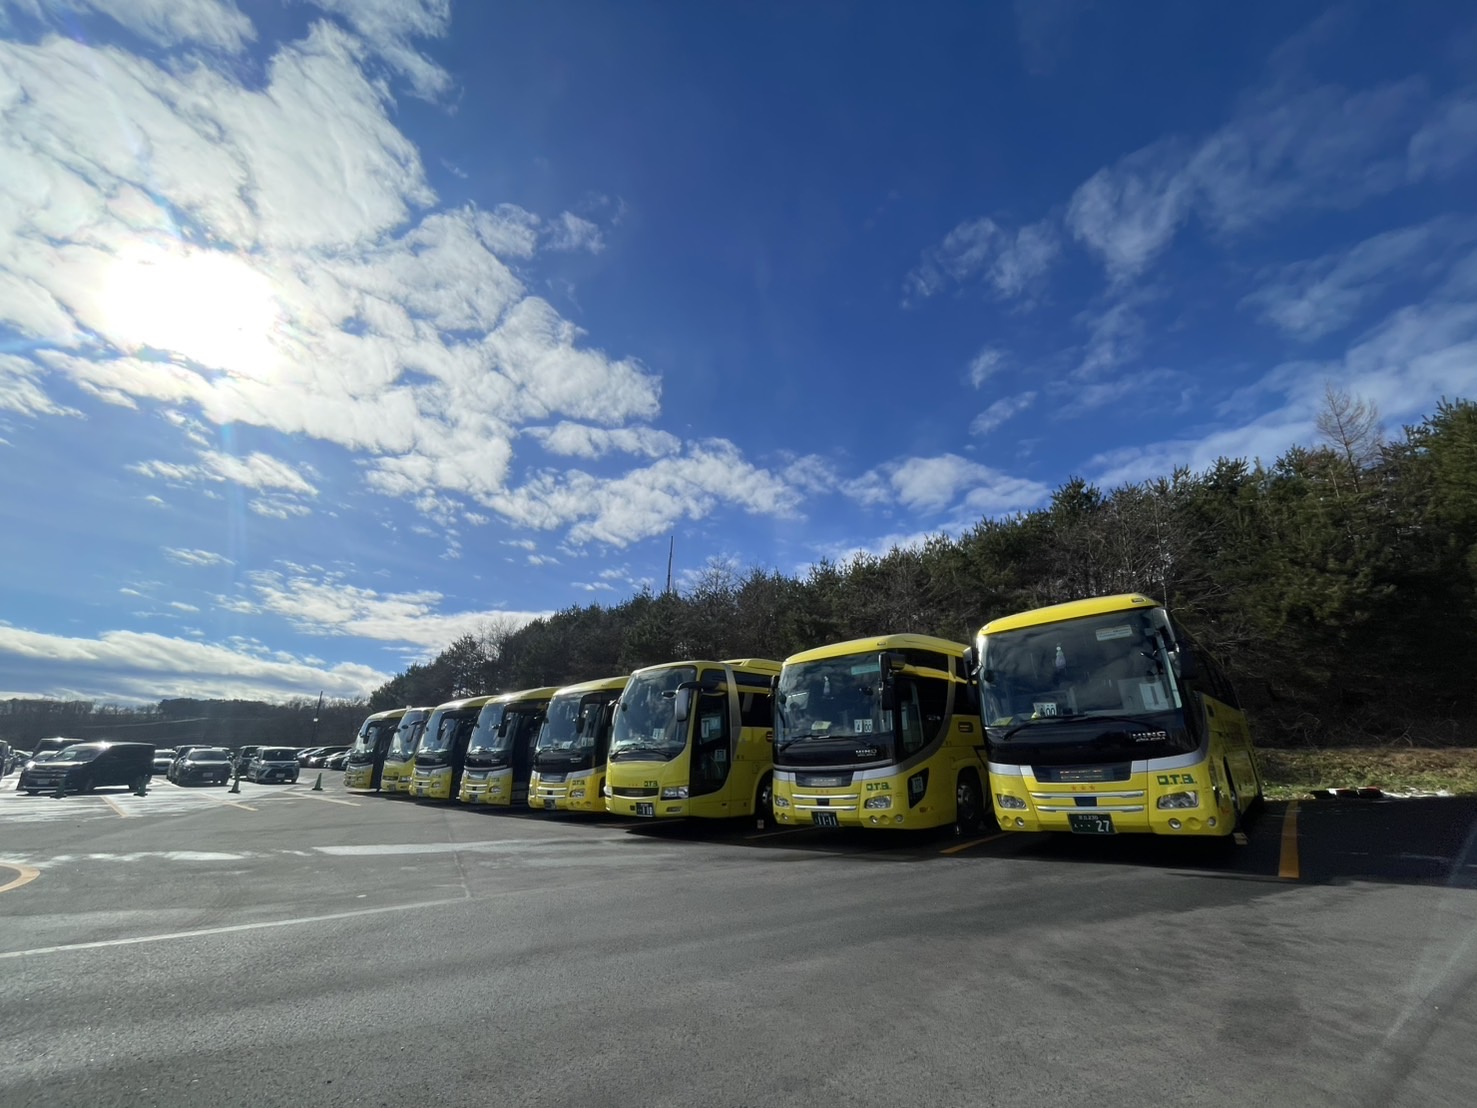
x: 214, y: 23
x: 1310, y: 299
x: 1448, y: 141
x: 985, y: 364
x: 328, y: 605
x: 1148, y: 388
x: 810, y: 473
x: 1012, y: 262
x: 583, y: 441
x: 647, y: 501
x: 998, y: 413
x: 389, y: 26
x: 568, y: 232
x: 21, y: 392
x: 254, y: 471
x: 1286, y: 147
x: 935, y: 483
x: 186, y: 557
x: 180, y: 605
x: 140, y: 666
x: 1043, y: 28
x: 278, y: 507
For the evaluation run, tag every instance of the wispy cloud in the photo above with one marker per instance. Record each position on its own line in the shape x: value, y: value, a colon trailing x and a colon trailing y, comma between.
x: 389, y: 27
x: 1011, y: 262
x: 569, y: 232
x: 1314, y: 298
x: 932, y: 484
x: 214, y: 23
x: 187, y: 557
x: 984, y: 365
x: 1000, y: 412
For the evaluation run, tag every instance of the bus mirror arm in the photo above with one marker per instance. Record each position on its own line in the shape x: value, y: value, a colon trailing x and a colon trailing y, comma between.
x: 971, y: 661
x: 1185, y: 662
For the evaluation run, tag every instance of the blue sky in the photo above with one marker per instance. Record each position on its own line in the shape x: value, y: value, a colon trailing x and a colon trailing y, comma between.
x: 330, y: 330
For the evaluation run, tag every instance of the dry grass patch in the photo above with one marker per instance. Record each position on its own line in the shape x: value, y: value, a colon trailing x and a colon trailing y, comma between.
x: 1292, y: 773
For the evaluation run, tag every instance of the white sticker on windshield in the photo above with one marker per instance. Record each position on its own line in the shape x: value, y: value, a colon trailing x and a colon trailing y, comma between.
x: 658, y: 734
x: 1044, y: 707
x: 863, y: 726
x: 1123, y: 632
x: 1153, y: 696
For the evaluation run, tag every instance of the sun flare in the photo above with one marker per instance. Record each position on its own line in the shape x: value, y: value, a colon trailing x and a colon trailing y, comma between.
x: 206, y: 306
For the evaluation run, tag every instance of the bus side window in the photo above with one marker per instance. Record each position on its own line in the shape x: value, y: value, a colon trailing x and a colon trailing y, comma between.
x: 756, y: 709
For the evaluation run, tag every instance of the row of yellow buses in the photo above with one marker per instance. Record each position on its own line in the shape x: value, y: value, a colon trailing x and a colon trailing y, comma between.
x: 1099, y: 716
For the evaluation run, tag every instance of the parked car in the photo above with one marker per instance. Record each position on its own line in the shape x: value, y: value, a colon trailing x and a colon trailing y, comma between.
x: 336, y: 761
x: 179, y: 756
x: 82, y: 767
x: 46, y: 749
x: 242, y: 759
x: 319, y: 756
x: 209, y: 765
x: 307, y: 752
x: 163, y: 759
x: 273, y: 763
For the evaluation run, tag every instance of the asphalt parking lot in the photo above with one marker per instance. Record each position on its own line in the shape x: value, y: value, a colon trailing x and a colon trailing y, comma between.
x: 283, y: 946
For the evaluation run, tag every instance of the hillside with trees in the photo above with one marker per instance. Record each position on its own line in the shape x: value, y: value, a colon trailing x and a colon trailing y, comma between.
x: 1337, y: 583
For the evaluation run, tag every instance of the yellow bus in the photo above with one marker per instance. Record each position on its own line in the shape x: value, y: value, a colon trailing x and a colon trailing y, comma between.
x: 1103, y: 716
x: 573, y: 745
x: 400, y: 757
x: 879, y: 733
x: 366, y: 758
x: 443, y: 749
x: 694, y: 739
x: 500, y: 756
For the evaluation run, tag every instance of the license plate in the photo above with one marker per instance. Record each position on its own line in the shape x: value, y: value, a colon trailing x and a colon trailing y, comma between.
x: 1090, y: 823
x: 825, y: 819
x: 646, y: 809
x: 549, y: 803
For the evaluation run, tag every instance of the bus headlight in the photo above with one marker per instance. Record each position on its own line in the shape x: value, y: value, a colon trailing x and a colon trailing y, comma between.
x: 781, y: 802
x: 1180, y: 800
x: 1014, y: 803
x: 674, y: 792
x: 877, y: 802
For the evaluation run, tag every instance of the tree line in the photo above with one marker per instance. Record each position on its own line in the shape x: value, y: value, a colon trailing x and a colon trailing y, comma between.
x: 1338, y: 585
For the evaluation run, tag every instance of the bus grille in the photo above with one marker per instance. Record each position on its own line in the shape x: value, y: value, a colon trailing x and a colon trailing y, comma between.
x: 631, y: 793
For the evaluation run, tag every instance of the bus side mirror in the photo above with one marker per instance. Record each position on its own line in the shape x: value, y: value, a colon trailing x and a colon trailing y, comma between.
x: 683, y: 706
x: 971, y: 661
x: 1185, y: 662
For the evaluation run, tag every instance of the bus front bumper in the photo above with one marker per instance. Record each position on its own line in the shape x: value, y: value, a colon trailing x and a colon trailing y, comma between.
x: 558, y: 793
x: 1117, y: 808
x: 431, y: 784
x: 493, y: 787
x: 359, y: 777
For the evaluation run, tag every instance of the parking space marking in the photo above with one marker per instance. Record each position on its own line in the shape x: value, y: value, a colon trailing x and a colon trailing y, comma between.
x: 235, y: 927
x: 1288, y: 867
x: 325, y: 799
x: 26, y: 873
x: 113, y: 804
x: 232, y: 803
x: 961, y: 847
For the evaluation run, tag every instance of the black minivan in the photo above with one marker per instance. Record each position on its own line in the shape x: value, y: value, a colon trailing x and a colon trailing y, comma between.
x: 82, y: 767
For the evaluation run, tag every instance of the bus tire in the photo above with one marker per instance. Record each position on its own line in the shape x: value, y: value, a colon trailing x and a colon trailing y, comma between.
x: 764, y: 802
x: 969, y: 804
x: 1236, y: 822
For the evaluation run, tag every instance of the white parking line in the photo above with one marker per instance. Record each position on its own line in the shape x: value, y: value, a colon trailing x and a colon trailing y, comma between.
x: 235, y: 927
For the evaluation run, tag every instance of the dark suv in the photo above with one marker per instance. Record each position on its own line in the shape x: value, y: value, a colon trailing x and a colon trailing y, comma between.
x: 206, y: 765
x: 82, y: 767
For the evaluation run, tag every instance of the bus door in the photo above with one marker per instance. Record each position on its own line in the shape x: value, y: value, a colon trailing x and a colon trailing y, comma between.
x: 712, y: 752
x: 525, y: 731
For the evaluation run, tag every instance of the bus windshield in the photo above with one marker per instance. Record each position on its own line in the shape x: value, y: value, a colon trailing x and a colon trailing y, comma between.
x: 833, y: 703
x: 1083, y: 690
x: 447, y: 732
x: 411, y: 725
x: 572, y: 724
x: 501, y: 725
x: 646, y: 726
x: 369, y: 735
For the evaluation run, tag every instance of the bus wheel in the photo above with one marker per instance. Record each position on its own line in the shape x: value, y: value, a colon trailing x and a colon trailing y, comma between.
x: 969, y: 804
x: 764, y: 802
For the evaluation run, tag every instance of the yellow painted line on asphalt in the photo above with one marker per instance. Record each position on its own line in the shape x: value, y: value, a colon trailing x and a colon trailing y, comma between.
x: 1288, y: 868
x: 961, y: 847
x: 113, y: 804
x: 27, y: 875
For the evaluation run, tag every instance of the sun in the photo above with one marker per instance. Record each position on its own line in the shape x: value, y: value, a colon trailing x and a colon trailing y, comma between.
x: 211, y: 307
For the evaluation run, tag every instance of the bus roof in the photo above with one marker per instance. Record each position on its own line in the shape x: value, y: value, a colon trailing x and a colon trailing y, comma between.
x: 602, y: 684
x: 464, y: 703
x: 393, y: 713
x: 1073, y: 609
x: 747, y: 665
x: 545, y: 693
x: 879, y: 643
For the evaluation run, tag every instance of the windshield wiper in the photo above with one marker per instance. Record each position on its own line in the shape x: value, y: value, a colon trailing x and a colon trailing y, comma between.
x: 656, y: 750
x: 793, y: 739
x: 1075, y: 717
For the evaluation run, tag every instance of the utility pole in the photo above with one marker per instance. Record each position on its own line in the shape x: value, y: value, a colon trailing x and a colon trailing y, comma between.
x: 318, y: 711
x: 671, y: 550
